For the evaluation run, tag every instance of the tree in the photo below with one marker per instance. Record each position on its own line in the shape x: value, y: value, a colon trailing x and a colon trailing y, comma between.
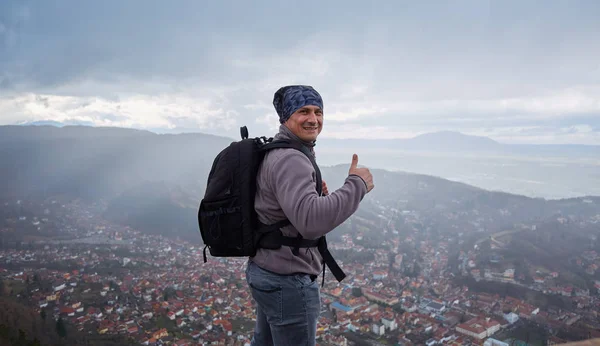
x: 398, y: 308
x: 22, y: 338
x: 114, y: 286
x: 416, y: 270
x: 419, y: 293
x: 60, y: 328
x: 356, y: 291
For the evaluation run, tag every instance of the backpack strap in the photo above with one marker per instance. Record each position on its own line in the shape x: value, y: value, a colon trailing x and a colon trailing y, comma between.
x: 330, y: 261
x: 282, y: 143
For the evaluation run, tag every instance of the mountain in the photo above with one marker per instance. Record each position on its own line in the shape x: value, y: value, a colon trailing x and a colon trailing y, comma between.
x: 155, y: 182
x: 147, y: 179
x: 453, y: 142
x: 156, y: 208
x: 99, y: 162
x: 547, y: 171
x: 444, y: 141
x: 22, y: 133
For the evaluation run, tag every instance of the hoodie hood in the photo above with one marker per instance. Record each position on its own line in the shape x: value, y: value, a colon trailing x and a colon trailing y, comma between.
x: 286, y: 133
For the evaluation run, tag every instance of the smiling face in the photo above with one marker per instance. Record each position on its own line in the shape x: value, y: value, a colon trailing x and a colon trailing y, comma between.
x: 306, y: 123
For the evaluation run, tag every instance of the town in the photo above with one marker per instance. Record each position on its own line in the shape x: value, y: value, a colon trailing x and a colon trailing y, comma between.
x: 413, y: 289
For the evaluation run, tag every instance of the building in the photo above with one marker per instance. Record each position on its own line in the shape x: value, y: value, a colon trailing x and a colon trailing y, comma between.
x: 379, y: 275
x: 372, y: 296
x: 389, y: 324
x: 435, y: 307
x: 479, y: 328
x: 494, y: 342
x: 378, y: 329
x: 340, y: 307
x: 511, y: 317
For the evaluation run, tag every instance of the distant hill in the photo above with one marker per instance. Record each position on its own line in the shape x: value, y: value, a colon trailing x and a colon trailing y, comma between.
x: 548, y: 171
x: 99, y: 162
x: 434, y: 195
x: 156, y: 208
x: 450, y: 141
x: 155, y: 182
x: 444, y: 140
x: 455, y: 140
x: 12, y: 133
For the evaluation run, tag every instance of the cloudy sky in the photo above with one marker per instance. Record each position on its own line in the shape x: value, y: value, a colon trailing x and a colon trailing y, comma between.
x: 516, y: 71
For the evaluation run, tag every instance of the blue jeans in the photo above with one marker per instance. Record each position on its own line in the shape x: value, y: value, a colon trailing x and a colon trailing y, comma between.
x: 287, y: 307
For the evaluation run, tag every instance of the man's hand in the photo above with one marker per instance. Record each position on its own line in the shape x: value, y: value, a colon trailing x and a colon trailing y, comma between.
x: 325, y: 191
x: 362, y: 172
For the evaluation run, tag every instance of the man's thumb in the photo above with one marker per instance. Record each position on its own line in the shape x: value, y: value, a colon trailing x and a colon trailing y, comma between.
x: 354, y: 161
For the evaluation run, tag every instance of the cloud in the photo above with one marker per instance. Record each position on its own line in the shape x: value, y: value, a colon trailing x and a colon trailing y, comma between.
x: 140, y: 111
x: 348, y: 131
x: 402, y: 68
x: 270, y: 120
x: 354, y: 113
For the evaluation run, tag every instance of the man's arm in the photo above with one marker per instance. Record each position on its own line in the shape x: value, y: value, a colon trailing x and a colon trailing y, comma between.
x: 313, y: 216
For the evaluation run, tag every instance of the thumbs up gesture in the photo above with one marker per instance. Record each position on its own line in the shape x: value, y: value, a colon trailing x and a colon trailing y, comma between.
x: 362, y: 172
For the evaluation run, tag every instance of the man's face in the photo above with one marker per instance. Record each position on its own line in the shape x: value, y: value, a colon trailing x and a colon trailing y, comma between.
x: 306, y: 123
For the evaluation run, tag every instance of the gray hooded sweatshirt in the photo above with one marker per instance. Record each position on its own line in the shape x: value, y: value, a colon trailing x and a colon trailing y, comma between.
x: 286, y: 188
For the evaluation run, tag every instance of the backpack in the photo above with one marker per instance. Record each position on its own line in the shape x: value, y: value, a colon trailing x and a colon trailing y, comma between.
x: 228, y: 222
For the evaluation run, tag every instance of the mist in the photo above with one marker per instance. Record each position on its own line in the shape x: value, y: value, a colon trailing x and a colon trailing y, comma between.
x: 479, y: 121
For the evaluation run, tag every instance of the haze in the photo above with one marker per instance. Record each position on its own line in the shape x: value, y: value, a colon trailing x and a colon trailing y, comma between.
x: 480, y: 121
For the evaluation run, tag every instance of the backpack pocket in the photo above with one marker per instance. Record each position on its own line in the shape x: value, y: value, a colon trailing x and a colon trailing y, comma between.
x: 221, y: 226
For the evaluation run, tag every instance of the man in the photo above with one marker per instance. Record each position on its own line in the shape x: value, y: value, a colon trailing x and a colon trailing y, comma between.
x: 283, y: 284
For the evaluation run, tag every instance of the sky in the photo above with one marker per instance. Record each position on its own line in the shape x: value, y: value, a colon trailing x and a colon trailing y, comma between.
x: 515, y: 71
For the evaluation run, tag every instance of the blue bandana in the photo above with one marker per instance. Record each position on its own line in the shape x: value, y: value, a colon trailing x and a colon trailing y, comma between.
x: 290, y: 98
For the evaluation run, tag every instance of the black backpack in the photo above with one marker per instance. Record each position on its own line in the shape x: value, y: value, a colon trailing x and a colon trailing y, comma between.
x: 228, y: 222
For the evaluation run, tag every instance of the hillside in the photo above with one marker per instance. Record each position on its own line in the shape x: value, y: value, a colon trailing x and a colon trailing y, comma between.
x: 95, y: 163
x: 21, y: 325
x: 155, y: 182
x: 156, y: 208
x: 456, y: 142
x: 444, y: 140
